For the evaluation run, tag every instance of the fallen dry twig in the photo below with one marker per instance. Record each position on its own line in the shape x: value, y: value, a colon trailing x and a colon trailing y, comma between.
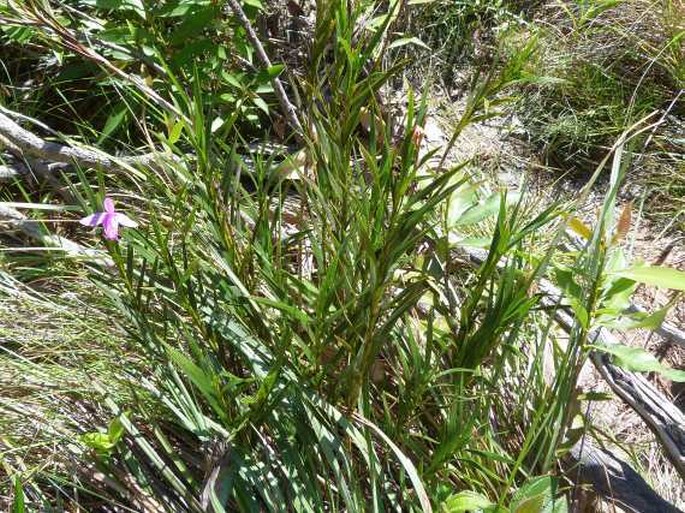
x: 19, y: 139
x: 614, y: 479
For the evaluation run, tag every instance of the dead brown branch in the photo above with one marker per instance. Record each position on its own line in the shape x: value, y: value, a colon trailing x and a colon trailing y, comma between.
x: 27, y: 144
x: 288, y: 108
x: 614, y: 479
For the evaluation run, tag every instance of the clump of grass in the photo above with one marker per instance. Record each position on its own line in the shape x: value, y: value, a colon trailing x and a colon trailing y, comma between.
x: 600, y: 67
x: 292, y: 354
x: 306, y: 328
x: 55, y: 345
x: 462, y: 36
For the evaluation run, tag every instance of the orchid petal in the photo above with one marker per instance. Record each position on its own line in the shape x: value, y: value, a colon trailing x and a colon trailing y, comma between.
x: 109, y: 205
x: 111, y: 226
x: 93, y: 219
x: 126, y: 221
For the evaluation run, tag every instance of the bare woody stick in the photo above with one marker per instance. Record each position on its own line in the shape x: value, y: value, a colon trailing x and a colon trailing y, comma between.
x: 288, y: 108
x: 33, y: 145
x: 23, y: 142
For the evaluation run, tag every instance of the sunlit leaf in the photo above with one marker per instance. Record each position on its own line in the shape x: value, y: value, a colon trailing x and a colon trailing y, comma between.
x: 638, y: 360
x: 580, y: 228
x: 217, y: 123
x: 404, y: 41
x: 539, y: 495
x: 664, y: 277
x: 487, y: 208
x: 261, y: 104
x: 465, y: 501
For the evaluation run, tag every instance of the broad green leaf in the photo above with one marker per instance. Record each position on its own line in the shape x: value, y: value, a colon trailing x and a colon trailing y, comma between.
x: 636, y: 320
x: 115, y: 430
x: 232, y: 79
x: 459, y: 202
x: 264, y: 88
x: 574, y: 295
x: 664, y: 277
x: 270, y: 73
x: 217, y: 124
x: 471, y: 242
x: 465, y: 501
x: 580, y: 312
x: 638, y: 360
x: 261, y: 104
x: 193, y: 25
x: 175, y: 132
x: 19, y: 35
x: 539, y: 495
x: 135, y: 5
x: 617, y: 295
x: 488, y: 208
x: 179, y: 10
x: 98, y: 441
x: 228, y: 98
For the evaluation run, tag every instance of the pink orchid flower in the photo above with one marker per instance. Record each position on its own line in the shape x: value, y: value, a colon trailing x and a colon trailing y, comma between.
x: 110, y: 220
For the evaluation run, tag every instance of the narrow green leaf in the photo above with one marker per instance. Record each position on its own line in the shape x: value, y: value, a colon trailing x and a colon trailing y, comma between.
x: 18, y: 503
x: 406, y: 463
x: 197, y: 376
x: 113, y: 122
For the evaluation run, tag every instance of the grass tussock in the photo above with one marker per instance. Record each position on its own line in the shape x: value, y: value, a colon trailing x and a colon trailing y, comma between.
x: 293, y: 326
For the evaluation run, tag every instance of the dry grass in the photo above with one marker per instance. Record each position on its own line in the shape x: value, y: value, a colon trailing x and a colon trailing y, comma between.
x: 53, y: 347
